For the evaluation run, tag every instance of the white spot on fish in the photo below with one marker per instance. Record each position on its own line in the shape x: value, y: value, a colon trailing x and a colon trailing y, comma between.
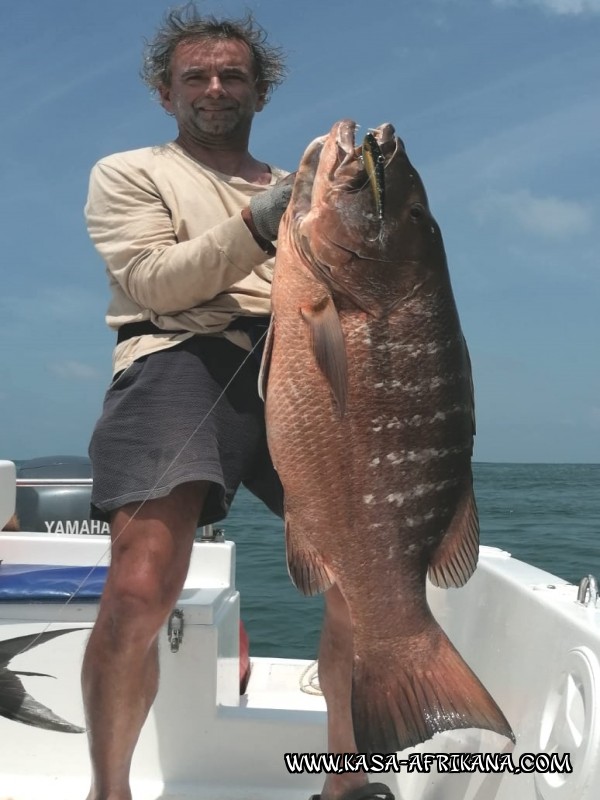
x: 416, y: 349
x: 441, y: 415
x: 396, y: 497
x: 375, y: 462
x: 369, y: 499
x: 425, y: 455
x: 415, y: 522
x: 418, y: 387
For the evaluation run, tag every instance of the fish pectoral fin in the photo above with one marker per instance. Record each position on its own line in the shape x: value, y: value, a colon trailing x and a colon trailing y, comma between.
x: 306, y: 568
x: 455, y: 558
x: 16, y: 704
x: 328, y: 346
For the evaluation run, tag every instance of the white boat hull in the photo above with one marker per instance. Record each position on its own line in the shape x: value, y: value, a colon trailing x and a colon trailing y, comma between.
x: 522, y: 630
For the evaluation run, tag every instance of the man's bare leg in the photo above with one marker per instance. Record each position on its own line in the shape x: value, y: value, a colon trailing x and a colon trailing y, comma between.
x: 335, y: 679
x: 151, y: 550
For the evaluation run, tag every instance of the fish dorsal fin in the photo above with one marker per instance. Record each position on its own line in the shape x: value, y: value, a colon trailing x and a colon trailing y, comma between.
x: 455, y: 559
x: 328, y: 346
x: 471, y: 387
x: 265, y: 362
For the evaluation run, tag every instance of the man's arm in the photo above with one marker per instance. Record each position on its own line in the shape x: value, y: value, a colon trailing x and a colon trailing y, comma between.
x: 133, y: 232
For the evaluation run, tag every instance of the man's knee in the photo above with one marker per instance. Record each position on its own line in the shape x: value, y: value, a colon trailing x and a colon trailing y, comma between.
x: 137, y: 601
x: 149, y: 562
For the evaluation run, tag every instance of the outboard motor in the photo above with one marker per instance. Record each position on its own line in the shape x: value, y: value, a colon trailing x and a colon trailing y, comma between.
x: 53, y: 496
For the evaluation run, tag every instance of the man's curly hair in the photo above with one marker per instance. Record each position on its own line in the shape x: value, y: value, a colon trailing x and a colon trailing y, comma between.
x: 186, y: 22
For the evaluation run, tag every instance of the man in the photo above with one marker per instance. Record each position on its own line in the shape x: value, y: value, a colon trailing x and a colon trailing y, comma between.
x: 186, y: 231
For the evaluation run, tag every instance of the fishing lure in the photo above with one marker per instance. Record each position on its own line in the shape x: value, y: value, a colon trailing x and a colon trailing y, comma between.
x: 375, y: 163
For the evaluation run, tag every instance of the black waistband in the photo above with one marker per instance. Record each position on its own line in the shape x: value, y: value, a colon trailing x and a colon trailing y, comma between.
x: 130, y: 329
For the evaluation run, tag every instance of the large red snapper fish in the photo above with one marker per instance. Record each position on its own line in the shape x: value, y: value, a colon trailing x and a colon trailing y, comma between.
x: 370, y: 421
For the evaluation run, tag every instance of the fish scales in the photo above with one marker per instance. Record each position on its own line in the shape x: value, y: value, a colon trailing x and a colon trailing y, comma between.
x: 364, y: 343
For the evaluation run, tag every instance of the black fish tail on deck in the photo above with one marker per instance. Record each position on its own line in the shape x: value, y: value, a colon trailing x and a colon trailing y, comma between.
x: 15, y: 703
x: 402, y: 705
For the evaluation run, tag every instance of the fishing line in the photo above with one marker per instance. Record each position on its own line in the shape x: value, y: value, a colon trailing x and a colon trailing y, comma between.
x: 64, y: 606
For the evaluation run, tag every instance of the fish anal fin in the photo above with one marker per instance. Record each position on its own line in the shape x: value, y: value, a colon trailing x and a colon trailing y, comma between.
x: 307, y: 570
x: 401, y: 701
x: 455, y: 558
x: 328, y: 346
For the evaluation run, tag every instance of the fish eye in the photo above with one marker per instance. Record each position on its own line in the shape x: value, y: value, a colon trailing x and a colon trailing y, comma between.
x: 416, y: 212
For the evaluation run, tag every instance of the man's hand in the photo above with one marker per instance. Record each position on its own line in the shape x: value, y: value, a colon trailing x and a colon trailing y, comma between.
x: 267, y: 208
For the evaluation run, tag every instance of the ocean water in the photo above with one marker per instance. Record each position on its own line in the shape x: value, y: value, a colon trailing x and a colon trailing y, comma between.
x: 545, y: 514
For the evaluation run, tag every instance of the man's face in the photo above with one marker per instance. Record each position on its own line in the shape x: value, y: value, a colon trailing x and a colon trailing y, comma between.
x: 213, y: 93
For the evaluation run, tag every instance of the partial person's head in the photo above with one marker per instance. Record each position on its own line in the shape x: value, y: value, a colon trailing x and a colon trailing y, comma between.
x: 211, y: 74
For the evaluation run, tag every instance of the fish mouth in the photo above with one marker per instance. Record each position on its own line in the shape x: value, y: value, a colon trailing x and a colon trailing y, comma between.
x: 346, y: 167
x: 363, y: 167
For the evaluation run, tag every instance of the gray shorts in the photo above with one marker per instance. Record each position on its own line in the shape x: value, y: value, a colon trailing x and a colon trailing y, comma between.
x: 170, y: 418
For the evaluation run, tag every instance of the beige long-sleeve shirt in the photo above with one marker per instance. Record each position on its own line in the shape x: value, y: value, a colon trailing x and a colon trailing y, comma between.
x: 176, y: 248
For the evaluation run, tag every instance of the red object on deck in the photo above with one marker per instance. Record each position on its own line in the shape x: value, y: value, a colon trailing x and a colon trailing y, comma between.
x: 244, y: 658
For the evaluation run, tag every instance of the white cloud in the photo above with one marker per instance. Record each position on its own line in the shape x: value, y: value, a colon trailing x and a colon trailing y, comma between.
x: 563, y: 7
x: 74, y: 370
x: 514, y: 151
x: 550, y: 217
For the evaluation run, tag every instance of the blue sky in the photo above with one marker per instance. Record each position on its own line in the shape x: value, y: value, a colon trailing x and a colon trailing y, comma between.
x: 497, y: 103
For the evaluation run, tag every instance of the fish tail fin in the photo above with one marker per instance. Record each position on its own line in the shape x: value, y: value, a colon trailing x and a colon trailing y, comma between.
x: 400, y: 703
